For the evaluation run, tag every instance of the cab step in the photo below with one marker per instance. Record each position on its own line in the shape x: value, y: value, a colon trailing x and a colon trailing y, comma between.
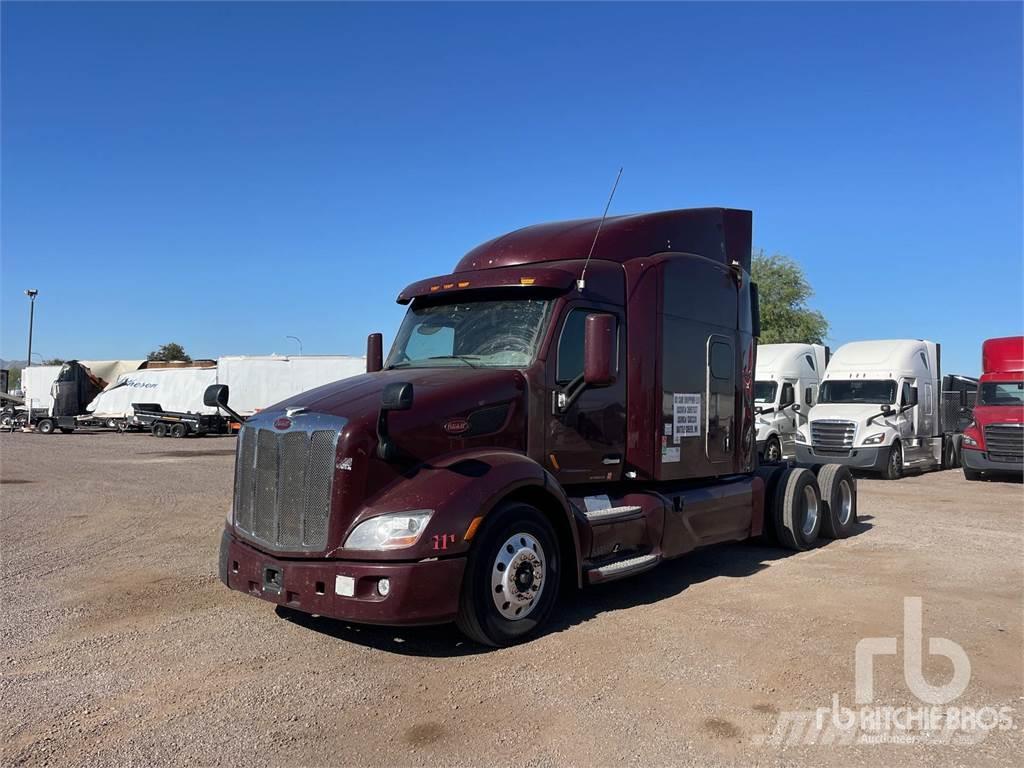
x: 622, y: 568
x: 612, y: 514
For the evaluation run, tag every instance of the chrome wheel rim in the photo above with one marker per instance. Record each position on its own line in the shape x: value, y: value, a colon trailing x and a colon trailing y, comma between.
x: 845, y: 502
x: 517, y: 576
x: 810, y: 510
x: 896, y: 461
x: 774, y: 452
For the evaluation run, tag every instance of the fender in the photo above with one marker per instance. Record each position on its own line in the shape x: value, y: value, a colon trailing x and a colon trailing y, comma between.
x: 459, y: 488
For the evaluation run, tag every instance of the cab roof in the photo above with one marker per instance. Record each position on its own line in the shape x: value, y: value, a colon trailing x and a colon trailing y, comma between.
x: 722, y: 234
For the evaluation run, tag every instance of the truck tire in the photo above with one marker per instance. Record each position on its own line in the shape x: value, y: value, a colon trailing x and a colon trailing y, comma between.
x: 179, y: 430
x: 950, y: 455
x: 159, y: 429
x: 772, y: 450
x: 839, y: 495
x: 893, y: 469
x: 971, y: 474
x: 511, y: 581
x: 797, y: 509
x: 45, y: 426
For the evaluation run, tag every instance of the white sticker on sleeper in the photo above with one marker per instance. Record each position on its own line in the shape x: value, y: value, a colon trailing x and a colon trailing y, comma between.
x: 685, y: 415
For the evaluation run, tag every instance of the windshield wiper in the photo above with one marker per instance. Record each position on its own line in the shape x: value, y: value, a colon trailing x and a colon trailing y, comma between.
x: 463, y: 358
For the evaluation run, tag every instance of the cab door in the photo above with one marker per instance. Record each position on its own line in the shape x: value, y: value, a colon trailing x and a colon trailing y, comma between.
x: 787, y: 417
x: 721, y: 399
x: 585, y: 441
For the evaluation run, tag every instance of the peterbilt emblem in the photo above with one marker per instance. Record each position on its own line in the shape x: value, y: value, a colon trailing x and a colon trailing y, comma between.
x: 456, y: 426
x: 282, y: 423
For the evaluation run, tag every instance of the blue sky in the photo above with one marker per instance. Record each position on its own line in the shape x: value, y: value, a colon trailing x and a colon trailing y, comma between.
x: 227, y: 175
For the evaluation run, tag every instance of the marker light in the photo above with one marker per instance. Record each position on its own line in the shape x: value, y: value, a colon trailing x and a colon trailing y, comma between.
x: 527, y: 280
x: 392, y: 531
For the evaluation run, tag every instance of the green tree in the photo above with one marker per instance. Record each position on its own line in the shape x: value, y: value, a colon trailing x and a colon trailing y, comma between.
x: 783, y: 291
x: 169, y: 352
x: 53, y: 361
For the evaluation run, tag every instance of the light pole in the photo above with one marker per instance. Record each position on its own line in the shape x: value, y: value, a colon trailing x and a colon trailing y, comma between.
x: 298, y: 340
x: 31, y: 293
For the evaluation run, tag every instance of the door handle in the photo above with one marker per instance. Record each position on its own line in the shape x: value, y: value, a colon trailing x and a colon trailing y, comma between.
x: 612, y: 458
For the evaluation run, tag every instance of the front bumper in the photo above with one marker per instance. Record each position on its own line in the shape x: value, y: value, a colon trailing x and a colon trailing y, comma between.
x: 872, y: 458
x: 980, y: 462
x: 421, y: 593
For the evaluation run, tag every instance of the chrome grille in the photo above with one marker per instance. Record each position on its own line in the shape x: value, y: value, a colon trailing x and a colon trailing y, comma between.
x: 832, y: 436
x: 1004, y: 441
x: 284, y: 480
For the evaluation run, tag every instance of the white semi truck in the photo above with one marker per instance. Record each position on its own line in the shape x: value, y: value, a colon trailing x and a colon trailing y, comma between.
x: 879, y: 410
x: 785, y: 389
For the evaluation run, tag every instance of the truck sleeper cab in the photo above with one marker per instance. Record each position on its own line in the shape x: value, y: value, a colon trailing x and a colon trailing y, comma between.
x: 785, y: 389
x: 880, y: 409
x: 541, y: 422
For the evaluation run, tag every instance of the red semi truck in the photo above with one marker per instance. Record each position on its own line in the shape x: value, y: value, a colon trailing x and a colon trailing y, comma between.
x: 545, y: 420
x: 993, y: 444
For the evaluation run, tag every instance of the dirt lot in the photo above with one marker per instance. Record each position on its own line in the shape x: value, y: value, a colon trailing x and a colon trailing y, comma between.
x: 120, y: 645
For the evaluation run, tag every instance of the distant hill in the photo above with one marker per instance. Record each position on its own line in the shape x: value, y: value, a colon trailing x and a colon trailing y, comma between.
x: 10, y: 364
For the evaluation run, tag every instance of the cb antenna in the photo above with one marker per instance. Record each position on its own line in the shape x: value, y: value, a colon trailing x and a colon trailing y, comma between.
x: 582, y: 282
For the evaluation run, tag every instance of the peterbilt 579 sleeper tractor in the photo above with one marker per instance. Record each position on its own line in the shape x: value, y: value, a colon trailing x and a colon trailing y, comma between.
x: 541, y: 423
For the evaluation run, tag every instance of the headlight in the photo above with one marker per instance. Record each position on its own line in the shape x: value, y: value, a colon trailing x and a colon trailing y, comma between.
x: 800, y: 437
x: 392, y: 531
x: 968, y: 440
x: 874, y: 439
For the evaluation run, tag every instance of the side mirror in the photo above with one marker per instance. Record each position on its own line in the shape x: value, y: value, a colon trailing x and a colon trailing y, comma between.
x: 599, y: 350
x: 216, y: 396
x: 796, y: 407
x: 396, y: 397
x: 758, y: 410
x: 808, y: 399
x: 374, y: 352
x: 886, y: 409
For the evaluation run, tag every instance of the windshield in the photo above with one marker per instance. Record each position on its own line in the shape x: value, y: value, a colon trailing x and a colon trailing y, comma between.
x: 1001, y: 393
x: 476, y: 334
x: 877, y: 391
x: 764, y: 391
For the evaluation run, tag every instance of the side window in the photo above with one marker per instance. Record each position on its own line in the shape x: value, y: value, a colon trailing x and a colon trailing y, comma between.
x: 904, y: 394
x: 810, y: 362
x: 788, y: 398
x: 924, y: 360
x: 720, y: 358
x: 809, y: 396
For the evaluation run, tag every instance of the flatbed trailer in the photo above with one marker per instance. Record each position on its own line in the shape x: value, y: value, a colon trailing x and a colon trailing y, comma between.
x: 177, y: 424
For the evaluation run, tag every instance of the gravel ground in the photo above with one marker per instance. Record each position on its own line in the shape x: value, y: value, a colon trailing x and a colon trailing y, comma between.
x: 121, y: 647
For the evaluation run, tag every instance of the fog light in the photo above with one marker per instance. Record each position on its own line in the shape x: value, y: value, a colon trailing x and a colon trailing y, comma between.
x: 383, y: 587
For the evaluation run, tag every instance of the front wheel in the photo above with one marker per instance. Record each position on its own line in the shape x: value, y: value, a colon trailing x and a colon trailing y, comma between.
x: 894, y: 463
x: 512, y: 576
x: 159, y: 429
x: 45, y: 426
x: 772, y: 450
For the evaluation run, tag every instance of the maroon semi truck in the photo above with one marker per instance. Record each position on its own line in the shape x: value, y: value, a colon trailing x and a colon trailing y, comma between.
x: 545, y: 420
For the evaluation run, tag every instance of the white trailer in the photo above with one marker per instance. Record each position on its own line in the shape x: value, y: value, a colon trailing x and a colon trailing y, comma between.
x: 878, y: 410
x: 257, y: 382
x: 37, y: 382
x: 785, y: 390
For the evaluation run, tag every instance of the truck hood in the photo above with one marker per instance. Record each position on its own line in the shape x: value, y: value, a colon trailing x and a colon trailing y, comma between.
x: 438, y: 393
x: 998, y: 414
x: 855, y: 412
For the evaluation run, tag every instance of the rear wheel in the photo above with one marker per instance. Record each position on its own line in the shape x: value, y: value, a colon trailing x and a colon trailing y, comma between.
x: 159, y: 429
x: 894, y: 463
x: 772, y: 450
x: 45, y: 426
x: 179, y: 430
x: 798, y: 509
x: 512, y: 575
x: 839, y: 495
